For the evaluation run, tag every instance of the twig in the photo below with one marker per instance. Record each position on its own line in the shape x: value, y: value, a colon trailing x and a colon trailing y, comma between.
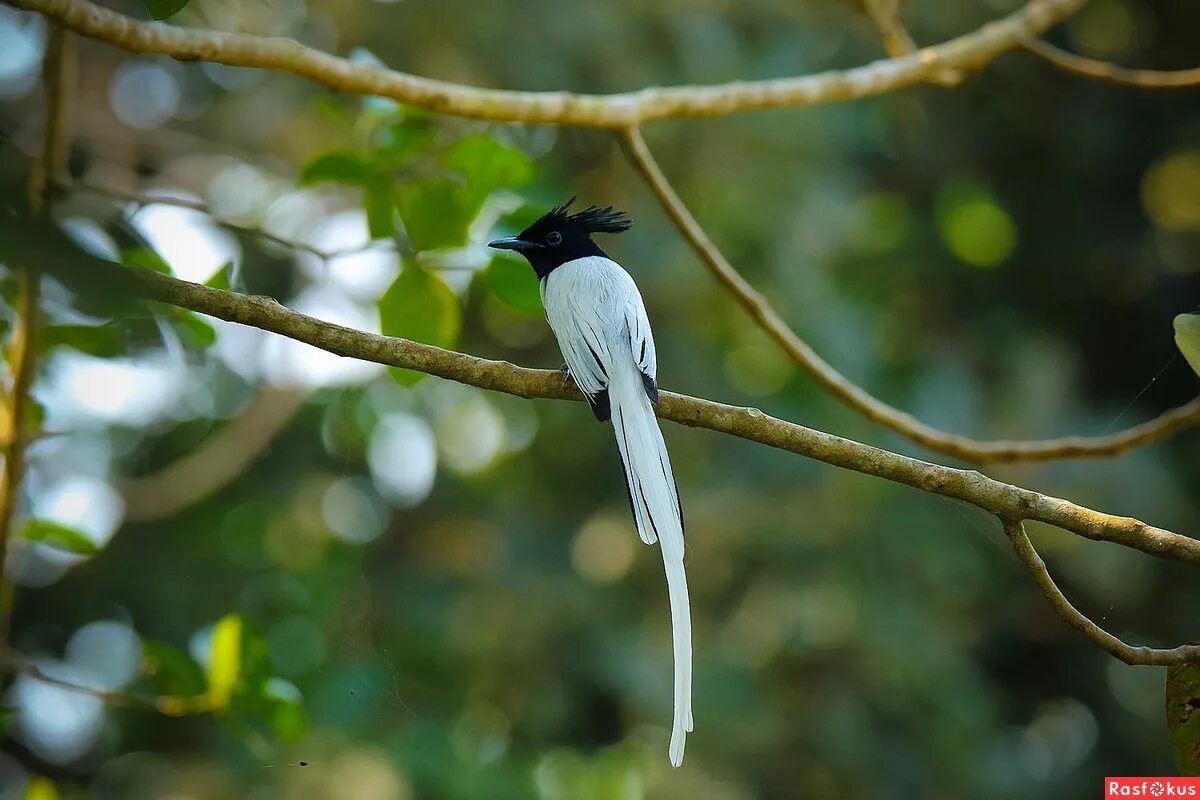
x: 871, y: 407
x: 1000, y: 499
x: 970, y: 51
x: 168, y: 705
x: 1130, y: 654
x: 1111, y: 73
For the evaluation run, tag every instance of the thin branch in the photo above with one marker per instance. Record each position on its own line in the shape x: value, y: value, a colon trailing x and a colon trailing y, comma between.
x: 1000, y: 499
x: 854, y: 396
x: 1111, y: 73
x: 898, y: 42
x: 970, y: 51
x: 168, y: 705
x: 218, y: 461
x: 57, y: 72
x: 1130, y: 654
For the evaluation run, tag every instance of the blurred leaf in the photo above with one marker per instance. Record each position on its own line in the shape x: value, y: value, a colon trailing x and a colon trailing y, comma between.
x: 58, y: 536
x: 514, y: 284
x: 378, y: 201
x: 194, y: 331
x: 161, y: 9
x: 419, y: 306
x: 436, y: 212
x: 95, y: 340
x: 488, y: 164
x: 1183, y: 716
x: 224, y: 660
x: 40, y: 788
x: 222, y: 278
x: 6, y: 717
x: 170, y: 671
x: 145, y: 258
x: 338, y: 167
x: 1187, y: 337
x: 400, y: 142
x: 286, y: 714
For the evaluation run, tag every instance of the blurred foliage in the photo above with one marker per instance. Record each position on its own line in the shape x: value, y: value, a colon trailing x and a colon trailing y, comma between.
x: 421, y: 590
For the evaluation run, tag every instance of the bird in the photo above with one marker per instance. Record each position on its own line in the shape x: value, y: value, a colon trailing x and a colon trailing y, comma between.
x: 597, y: 315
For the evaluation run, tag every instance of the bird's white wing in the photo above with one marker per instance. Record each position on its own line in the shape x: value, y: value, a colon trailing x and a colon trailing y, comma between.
x: 578, y: 301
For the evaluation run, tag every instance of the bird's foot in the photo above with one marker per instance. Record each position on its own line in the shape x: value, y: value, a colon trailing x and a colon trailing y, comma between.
x: 567, y: 377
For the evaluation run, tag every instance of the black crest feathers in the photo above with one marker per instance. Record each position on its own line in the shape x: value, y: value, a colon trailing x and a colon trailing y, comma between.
x: 589, y: 220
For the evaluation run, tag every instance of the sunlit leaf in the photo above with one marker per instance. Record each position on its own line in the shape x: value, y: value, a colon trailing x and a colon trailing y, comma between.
x: 161, y: 9
x: 224, y: 660
x: 40, y: 788
x: 338, y: 167
x: 380, y: 207
x: 514, y: 284
x: 436, y: 212
x: 1187, y: 337
x: 1183, y: 716
x: 420, y: 306
x: 95, y: 340
x: 58, y: 536
x: 145, y: 258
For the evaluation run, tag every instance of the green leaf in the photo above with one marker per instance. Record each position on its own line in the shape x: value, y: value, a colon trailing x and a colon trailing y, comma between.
x: 488, y: 164
x: 145, y: 258
x: 169, y: 671
x: 194, y: 331
x: 1187, y: 337
x: 419, y: 306
x: 378, y: 201
x: 436, y: 212
x: 398, y: 143
x: 1183, y: 716
x: 224, y: 660
x: 95, y: 340
x: 514, y: 284
x: 58, y: 536
x: 161, y: 9
x: 222, y: 278
x: 338, y: 167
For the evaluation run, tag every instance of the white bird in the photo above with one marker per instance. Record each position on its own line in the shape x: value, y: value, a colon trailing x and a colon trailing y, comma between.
x: 597, y: 315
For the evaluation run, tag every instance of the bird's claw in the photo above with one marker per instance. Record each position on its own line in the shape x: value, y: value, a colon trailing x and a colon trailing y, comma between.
x: 567, y: 377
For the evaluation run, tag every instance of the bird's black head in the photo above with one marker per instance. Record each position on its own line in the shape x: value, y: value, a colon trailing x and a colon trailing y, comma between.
x: 558, y: 237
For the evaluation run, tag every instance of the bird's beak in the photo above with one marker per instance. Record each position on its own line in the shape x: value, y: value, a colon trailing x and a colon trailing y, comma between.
x: 512, y: 243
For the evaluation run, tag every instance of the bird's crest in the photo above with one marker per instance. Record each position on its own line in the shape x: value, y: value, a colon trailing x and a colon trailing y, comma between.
x: 590, y: 220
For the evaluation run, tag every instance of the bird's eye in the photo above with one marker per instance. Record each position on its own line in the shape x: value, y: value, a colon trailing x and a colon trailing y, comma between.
x: 553, y: 238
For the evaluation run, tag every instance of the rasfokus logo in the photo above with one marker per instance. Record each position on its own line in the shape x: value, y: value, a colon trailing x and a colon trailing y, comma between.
x: 1151, y: 787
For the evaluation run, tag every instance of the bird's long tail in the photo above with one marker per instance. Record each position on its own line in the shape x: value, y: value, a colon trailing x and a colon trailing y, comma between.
x: 656, y: 509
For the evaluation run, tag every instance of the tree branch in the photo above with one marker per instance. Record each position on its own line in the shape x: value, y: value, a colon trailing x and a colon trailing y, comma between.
x: 1001, y: 499
x: 601, y: 111
x: 1111, y: 73
x: 57, y: 69
x: 854, y: 396
x: 1130, y: 654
